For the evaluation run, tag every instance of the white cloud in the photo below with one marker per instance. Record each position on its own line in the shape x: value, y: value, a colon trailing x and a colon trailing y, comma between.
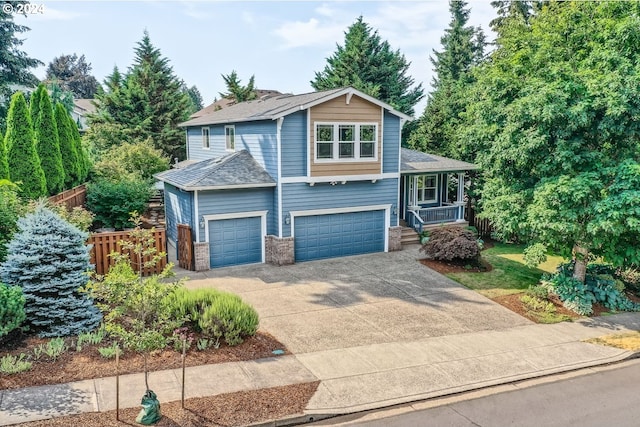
x: 47, y: 13
x: 248, y: 18
x: 325, y: 10
x: 309, y: 33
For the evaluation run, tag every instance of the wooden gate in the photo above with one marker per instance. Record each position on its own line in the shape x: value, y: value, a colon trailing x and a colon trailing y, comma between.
x: 185, y: 247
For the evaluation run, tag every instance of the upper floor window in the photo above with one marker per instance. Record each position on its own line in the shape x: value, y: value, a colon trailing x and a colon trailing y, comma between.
x: 346, y: 141
x: 230, y: 137
x: 205, y: 137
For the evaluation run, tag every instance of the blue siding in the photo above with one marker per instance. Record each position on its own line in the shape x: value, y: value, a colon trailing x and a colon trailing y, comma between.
x: 259, y: 138
x: 235, y: 241
x: 334, y: 235
x: 391, y: 143
x: 178, y: 208
x: 229, y: 201
x: 294, y: 145
x: 301, y: 196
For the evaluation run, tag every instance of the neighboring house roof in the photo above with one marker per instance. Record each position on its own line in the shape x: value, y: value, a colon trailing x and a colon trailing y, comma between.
x: 235, y: 170
x: 280, y: 106
x: 84, y: 106
x: 226, y: 102
x: 412, y: 161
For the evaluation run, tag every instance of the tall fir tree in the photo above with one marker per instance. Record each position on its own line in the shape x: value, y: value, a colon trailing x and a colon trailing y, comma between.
x: 23, y: 160
x: 15, y: 64
x: 148, y: 102
x: 48, y: 145
x: 509, y: 10
x: 48, y: 258
x: 236, y: 90
x: 196, y: 98
x: 462, y: 49
x: 369, y: 64
x: 67, y: 147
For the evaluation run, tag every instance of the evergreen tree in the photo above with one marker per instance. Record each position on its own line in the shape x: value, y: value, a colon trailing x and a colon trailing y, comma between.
x: 23, y: 160
x: 196, y: 98
x: 82, y: 157
x: 60, y: 95
x: 48, y: 145
x: 512, y: 9
x: 68, y: 151
x: 73, y: 74
x: 34, y: 102
x: 369, y: 64
x: 48, y: 259
x: 4, y: 165
x: 148, y: 102
x: 236, y: 91
x: 14, y: 63
x: 462, y: 49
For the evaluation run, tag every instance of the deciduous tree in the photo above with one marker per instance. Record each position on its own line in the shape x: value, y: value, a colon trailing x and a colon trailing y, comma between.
x: 73, y: 73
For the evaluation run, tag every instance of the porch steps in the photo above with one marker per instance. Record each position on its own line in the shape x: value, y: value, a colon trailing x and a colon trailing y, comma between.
x: 409, y: 236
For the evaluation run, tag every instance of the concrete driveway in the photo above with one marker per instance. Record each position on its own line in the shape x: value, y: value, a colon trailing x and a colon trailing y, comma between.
x: 358, y: 300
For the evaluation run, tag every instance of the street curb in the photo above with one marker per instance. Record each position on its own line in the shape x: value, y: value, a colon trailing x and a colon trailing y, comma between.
x: 294, y: 420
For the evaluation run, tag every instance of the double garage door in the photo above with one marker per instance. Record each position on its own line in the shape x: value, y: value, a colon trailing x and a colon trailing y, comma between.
x: 340, y: 234
x: 235, y: 241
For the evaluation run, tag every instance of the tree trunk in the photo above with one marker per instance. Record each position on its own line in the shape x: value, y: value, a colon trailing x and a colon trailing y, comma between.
x: 146, y: 372
x: 580, y: 255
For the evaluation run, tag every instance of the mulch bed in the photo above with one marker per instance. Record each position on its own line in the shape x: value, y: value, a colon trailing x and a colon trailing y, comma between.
x: 232, y: 409
x: 88, y: 363
x: 513, y: 303
x: 444, y: 267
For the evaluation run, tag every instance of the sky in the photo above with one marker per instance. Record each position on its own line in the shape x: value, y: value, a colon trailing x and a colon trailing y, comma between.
x: 282, y: 43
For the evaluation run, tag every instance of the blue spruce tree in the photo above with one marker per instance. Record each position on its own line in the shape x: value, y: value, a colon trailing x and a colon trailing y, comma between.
x: 48, y: 259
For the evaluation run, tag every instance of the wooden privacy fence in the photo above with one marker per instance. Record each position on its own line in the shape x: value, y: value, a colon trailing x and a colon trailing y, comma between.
x: 185, y: 247
x: 76, y: 196
x: 106, y: 243
x: 484, y: 227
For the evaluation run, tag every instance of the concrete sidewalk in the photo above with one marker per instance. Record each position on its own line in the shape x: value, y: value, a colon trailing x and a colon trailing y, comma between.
x: 354, y: 378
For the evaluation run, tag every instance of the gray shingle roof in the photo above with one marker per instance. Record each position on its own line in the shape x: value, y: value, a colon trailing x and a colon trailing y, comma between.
x: 412, y: 161
x: 275, y: 107
x: 235, y: 170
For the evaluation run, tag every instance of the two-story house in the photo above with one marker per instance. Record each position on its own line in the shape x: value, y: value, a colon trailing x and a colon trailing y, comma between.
x: 302, y: 177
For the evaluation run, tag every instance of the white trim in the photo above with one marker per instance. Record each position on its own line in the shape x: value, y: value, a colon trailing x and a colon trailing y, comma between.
x: 351, y: 209
x: 356, y: 143
x: 381, y: 140
x: 279, y: 185
x: 226, y: 146
x: 446, y: 189
x: 401, y: 197
x: 237, y: 215
x: 309, y: 142
x: 348, y: 178
x: 186, y: 134
x: 197, y: 219
x: 220, y: 187
x: 349, y: 95
x: 437, y: 188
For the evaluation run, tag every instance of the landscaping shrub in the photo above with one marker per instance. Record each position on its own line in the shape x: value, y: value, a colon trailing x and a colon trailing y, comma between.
x: 48, y: 259
x: 113, y: 202
x: 10, y: 210
x: 131, y: 161
x: 630, y: 277
x: 11, y: 308
x: 216, y: 314
x: 451, y: 243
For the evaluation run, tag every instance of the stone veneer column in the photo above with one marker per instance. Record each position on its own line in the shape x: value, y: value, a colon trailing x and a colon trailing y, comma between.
x: 201, y: 256
x: 279, y: 251
x: 395, y: 238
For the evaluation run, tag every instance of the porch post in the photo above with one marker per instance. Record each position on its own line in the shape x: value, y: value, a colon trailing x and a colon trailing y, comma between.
x: 460, y: 198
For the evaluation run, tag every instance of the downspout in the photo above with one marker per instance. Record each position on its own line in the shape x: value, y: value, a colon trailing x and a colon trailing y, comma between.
x: 402, y: 122
x: 279, y: 183
x: 196, y: 222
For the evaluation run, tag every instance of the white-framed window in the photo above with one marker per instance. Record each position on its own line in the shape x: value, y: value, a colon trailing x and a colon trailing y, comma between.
x: 205, y: 138
x: 427, y: 188
x: 346, y: 142
x: 230, y: 137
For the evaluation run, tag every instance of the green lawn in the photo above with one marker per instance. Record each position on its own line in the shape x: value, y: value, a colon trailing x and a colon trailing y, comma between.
x: 509, y: 274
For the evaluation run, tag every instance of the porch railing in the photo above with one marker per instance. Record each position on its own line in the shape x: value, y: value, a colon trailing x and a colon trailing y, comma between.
x: 441, y: 214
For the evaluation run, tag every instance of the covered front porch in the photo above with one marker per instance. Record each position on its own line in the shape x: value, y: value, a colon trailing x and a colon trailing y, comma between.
x: 432, y: 189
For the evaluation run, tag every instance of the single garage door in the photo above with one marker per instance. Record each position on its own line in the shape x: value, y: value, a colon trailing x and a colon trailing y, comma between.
x: 334, y: 235
x: 235, y: 241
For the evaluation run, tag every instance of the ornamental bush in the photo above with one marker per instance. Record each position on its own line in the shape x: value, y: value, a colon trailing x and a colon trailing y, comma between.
x: 218, y: 315
x: 449, y: 243
x: 113, y: 202
x: 49, y: 260
x: 11, y: 308
x: 139, y: 160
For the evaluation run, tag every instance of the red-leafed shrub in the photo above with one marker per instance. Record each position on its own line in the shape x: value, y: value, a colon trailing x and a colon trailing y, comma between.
x: 451, y: 243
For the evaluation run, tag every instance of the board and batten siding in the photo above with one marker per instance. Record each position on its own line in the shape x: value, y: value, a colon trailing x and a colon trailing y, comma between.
x: 178, y: 210
x: 293, y: 145
x: 231, y: 201
x: 337, y: 110
x: 302, y: 196
x: 391, y: 143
